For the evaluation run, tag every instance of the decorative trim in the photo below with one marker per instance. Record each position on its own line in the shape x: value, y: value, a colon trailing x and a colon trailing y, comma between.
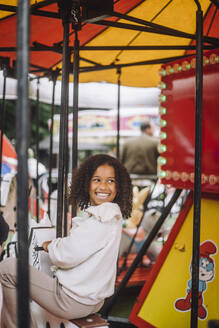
x: 185, y: 66
x: 188, y: 177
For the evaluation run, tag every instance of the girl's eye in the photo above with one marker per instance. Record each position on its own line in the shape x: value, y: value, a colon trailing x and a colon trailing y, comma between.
x: 111, y: 181
x: 95, y: 180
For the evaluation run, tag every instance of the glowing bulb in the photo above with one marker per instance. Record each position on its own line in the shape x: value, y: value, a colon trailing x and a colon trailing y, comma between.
x: 162, y: 148
x: 163, y: 123
x: 162, y: 110
x: 184, y: 176
x: 163, y: 135
x: 162, y: 174
x: 192, y: 177
x: 162, y: 98
x: 204, y: 178
x: 207, y: 61
x: 162, y: 85
x: 184, y: 65
x: 171, y: 70
x: 176, y: 67
x: 162, y: 160
x: 212, y: 179
x: 168, y: 175
x: 193, y: 63
x: 162, y: 72
x: 175, y: 175
x: 213, y: 58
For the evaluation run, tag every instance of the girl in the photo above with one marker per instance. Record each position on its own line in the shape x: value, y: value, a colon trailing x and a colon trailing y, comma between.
x: 85, y: 261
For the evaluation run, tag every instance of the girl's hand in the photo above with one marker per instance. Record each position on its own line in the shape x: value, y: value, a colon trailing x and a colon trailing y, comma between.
x: 45, y: 245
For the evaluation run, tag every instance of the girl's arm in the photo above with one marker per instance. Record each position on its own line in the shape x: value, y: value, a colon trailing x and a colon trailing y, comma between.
x: 83, y: 242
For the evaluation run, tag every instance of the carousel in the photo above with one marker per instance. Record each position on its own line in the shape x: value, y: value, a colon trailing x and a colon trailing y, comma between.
x: 166, y: 270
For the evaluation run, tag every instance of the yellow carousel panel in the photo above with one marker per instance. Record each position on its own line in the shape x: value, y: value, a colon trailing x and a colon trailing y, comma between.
x: 165, y: 300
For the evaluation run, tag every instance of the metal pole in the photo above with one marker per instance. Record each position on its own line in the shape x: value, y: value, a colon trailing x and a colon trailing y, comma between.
x: 66, y: 169
x: 198, y: 166
x: 22, y: 137
x: 2, y: 120
x: 118, y: 116
x: 66, y: 190
x: 54, y: 78
x: 62, y: 130
x: 75, y: 103
x: 75, y: 107
x: 37, y: 150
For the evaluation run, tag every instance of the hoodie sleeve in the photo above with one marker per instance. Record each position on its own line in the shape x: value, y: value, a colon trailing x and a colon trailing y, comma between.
x: 83, y: 241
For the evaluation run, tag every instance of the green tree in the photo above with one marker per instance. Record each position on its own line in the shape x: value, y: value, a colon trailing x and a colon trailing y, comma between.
x: 44, y: 116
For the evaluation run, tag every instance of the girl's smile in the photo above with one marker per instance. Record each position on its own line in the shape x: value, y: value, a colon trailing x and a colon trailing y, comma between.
x: 103, y: 185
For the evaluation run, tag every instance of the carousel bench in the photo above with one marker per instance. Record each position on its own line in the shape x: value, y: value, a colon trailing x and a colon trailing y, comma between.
x: 91, y: 321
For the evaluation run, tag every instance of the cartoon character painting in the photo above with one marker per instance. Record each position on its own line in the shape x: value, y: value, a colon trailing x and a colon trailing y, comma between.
x: 206, y: 274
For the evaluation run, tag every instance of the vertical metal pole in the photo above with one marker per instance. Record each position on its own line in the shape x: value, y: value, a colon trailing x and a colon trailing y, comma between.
x: 75, y: 103
x: 54, y: 78
x: 198, y: 167
x: 37, y: 150
x: 66, y: 169
x: 62, y: 130
x: 66, y: 191
x: 2, y: 120
x: 118, y: 116
x: 22, y: 137
x: 75, y: 106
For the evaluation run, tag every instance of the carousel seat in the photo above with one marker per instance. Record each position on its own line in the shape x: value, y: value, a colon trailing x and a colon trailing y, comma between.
x: 91, y: 321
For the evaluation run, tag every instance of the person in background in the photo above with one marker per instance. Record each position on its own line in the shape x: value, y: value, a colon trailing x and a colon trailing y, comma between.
x: 85, y: 262
x: 139, y: 155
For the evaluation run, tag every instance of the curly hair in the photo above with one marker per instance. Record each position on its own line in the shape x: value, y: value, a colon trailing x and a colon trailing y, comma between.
x: 79, y: 190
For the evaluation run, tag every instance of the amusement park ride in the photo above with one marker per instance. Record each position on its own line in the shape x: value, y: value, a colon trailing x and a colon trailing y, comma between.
x: 182, y: 286
x: 168, y: 288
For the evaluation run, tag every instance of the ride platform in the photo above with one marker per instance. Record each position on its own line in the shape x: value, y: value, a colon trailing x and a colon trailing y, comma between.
x: 140, y: 274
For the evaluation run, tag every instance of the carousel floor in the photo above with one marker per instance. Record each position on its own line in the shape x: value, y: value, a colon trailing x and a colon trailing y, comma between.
x: 118, y: 316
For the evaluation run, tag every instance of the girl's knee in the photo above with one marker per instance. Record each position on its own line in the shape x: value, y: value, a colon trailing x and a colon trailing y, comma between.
x: 8, y: 266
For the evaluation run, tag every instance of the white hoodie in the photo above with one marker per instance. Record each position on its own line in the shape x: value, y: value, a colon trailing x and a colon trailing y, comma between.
x: 86, y: 260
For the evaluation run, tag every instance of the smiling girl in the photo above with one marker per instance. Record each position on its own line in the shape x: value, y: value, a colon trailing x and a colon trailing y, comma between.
x: 85, y: 261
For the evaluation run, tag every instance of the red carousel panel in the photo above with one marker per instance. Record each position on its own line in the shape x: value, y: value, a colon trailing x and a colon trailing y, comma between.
x: 178, y: 123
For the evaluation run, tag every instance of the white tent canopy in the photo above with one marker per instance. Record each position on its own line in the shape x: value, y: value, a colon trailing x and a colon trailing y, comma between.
x: 91, y: 95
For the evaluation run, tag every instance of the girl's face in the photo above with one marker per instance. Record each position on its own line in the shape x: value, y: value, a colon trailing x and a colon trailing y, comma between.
x: 102, y: 185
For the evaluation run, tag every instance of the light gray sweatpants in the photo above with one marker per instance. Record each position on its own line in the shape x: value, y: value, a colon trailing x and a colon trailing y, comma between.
x: 44, y: 290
